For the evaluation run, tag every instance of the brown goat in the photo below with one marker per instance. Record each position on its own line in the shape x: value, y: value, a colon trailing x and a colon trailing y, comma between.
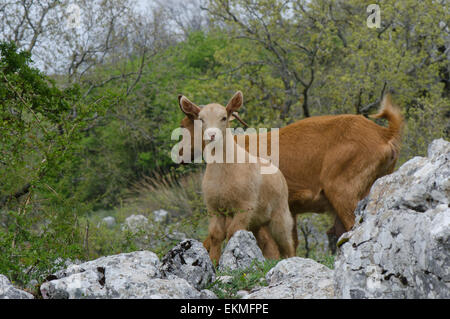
x: 330, y: 162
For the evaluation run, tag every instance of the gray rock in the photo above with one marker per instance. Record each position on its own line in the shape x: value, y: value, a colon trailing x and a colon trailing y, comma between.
x: 207, y: 294
x: 61, y: 263
x: 84, y: 284
x: 242, y: 293
x: 160, y: 215
x: 240, y: 252
x: 135, y: 223
x: 297, y: 278
x: 70, y: 270
x: 399, y: 246
x: 157, y: 288
x: 189, y: 260
x: 175, y: 235
x: 297, y: 267
x: 109, y: 221
x: 127, y: 276
x: 119, y: 276
x: 8, y: 291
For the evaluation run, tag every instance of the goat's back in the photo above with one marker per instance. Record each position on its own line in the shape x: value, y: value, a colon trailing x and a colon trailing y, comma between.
x: 318, y: 149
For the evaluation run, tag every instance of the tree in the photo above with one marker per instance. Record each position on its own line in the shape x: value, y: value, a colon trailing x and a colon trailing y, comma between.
x: 37, y: 124
x: 328, y: 61
x: 70, y: 37
x: 295, y: 40
x: 39, y: 137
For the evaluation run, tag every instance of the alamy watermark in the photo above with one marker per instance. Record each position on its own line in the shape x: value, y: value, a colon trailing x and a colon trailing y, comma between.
x: 374, y: 19
x: 73, y: 16
x: 229, y: 148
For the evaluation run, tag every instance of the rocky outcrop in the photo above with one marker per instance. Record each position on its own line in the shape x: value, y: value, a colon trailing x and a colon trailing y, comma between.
x: 240, y: 252
x: 296, y: 278
x: 189, y: 260
x: 118, y: 276
x: 124, y: 276
x: 400, y: 245
x: 8, y: 291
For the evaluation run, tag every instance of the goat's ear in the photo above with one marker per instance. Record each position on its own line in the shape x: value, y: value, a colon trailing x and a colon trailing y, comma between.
x: 235, y: 102
x: 190, y: 109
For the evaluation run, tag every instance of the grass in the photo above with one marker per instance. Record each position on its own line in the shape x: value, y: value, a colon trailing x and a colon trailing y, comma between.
x: 181, y: 197
x: 241, y: 279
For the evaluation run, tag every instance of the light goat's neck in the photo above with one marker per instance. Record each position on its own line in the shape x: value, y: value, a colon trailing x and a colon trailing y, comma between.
x: 233, y: 150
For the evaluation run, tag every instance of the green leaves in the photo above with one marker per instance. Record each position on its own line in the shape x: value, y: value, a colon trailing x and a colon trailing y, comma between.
x: 242, y: 279
x: 40, y: 132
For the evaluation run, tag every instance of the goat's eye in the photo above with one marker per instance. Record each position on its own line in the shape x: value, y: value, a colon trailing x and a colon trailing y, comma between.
x: 224, y: 118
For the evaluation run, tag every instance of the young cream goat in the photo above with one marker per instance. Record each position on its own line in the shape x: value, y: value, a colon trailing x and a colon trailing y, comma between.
x: 237, y: 195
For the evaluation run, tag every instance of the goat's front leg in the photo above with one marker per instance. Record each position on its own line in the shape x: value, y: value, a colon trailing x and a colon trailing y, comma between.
x: 240, y: 221
x: 216, y: 235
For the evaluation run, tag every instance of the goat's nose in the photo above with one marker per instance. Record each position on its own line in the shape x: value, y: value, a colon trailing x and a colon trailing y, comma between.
x: 211, y: 134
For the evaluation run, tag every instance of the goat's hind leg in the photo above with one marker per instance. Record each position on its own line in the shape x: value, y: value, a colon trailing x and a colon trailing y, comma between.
x: 344, y: 200
x: 334, y: 233
x: 267, y: 244
x: 207, y: 243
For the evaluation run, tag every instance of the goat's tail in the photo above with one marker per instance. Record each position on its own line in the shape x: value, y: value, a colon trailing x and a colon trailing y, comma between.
x: 392, y: 113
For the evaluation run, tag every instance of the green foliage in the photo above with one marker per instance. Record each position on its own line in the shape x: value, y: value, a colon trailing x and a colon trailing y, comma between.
x: 313, y: 241
x: 323, y: 50
x: 133, y: 140
x: 242, y: 279
x: 426, y: 121
x: 33, y: 132
x: 186, y: 218
x: 180, y: 197
x: 199, y: 51
x: 38, y: 140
